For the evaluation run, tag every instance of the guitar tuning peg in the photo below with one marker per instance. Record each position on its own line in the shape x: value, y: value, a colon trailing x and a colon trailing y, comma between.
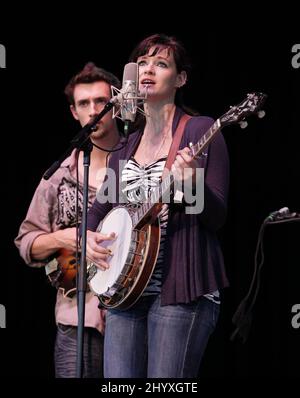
x: 261, y: 114
x: 243, y: 124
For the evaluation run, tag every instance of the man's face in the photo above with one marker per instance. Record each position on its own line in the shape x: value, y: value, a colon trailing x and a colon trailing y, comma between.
x: 89, y: 100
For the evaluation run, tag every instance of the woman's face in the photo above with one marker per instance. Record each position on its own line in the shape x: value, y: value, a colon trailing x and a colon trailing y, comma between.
x: 158, y: 76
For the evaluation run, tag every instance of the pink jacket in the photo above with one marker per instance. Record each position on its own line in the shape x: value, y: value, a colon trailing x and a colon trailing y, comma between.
x: 52, y: 208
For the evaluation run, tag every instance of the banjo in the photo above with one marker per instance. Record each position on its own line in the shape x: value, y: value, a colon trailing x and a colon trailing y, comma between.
x: 137, y: 242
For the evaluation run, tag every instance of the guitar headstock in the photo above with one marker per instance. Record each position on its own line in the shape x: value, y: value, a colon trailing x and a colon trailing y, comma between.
x: 238, y: 113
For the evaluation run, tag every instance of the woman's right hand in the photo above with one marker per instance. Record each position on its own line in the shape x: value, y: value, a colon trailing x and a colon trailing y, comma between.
x: 97, y: 253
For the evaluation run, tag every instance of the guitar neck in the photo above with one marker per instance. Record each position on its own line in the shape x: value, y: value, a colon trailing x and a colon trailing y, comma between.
x: 165, y: 187
x: 205, y: 140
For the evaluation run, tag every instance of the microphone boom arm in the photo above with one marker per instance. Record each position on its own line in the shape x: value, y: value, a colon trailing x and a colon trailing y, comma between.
x: 80, y: 139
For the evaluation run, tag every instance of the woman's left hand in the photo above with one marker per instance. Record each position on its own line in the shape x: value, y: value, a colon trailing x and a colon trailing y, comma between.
x: 184, y: 166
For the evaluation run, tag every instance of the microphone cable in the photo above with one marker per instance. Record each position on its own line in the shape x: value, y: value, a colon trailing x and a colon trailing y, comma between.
x: 242, y: 317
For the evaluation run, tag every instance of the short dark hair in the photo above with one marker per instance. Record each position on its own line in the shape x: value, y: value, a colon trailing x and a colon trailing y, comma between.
x: 90, y: 74
x: 161, y: 41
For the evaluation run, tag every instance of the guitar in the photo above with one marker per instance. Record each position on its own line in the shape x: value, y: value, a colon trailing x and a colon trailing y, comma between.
x: 136, y: 247
x: 62, y: 272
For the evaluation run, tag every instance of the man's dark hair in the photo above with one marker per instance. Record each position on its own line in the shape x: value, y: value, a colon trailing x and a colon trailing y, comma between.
x: 90, y: 74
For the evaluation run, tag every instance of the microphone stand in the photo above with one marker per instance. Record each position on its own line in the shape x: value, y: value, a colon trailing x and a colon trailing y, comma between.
x: 81, y: 279
x: 83, y: 142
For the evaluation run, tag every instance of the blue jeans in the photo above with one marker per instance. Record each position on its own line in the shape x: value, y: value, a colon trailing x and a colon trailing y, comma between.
x: 150, y: 340
x: 66, y: 349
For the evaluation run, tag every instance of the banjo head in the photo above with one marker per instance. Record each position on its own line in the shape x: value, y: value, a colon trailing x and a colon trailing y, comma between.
x: 120, y: 222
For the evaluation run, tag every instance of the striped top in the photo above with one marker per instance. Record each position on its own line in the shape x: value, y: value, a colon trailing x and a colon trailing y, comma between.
x: 140, y: 181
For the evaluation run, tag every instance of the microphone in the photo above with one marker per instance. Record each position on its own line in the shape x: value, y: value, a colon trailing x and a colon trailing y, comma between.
x: 129, y: 91
x: 126, y: 100
x: 280, y: 214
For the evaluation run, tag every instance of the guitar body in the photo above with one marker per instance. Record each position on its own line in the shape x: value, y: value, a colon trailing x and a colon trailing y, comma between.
x: 62, y: 272
x: 134, y: 255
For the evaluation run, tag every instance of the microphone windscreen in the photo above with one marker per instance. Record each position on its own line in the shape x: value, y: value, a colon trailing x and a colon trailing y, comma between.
x: 129, y: 92
x: 130, y: 72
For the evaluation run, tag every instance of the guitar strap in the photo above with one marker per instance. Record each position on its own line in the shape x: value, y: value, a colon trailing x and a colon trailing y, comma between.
x: 175, y: 143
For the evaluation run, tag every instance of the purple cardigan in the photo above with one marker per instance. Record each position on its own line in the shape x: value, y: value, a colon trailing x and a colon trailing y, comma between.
x: 193, y: 261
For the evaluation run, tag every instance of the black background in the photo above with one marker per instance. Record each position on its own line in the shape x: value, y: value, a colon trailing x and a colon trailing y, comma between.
x: 230, y: 59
